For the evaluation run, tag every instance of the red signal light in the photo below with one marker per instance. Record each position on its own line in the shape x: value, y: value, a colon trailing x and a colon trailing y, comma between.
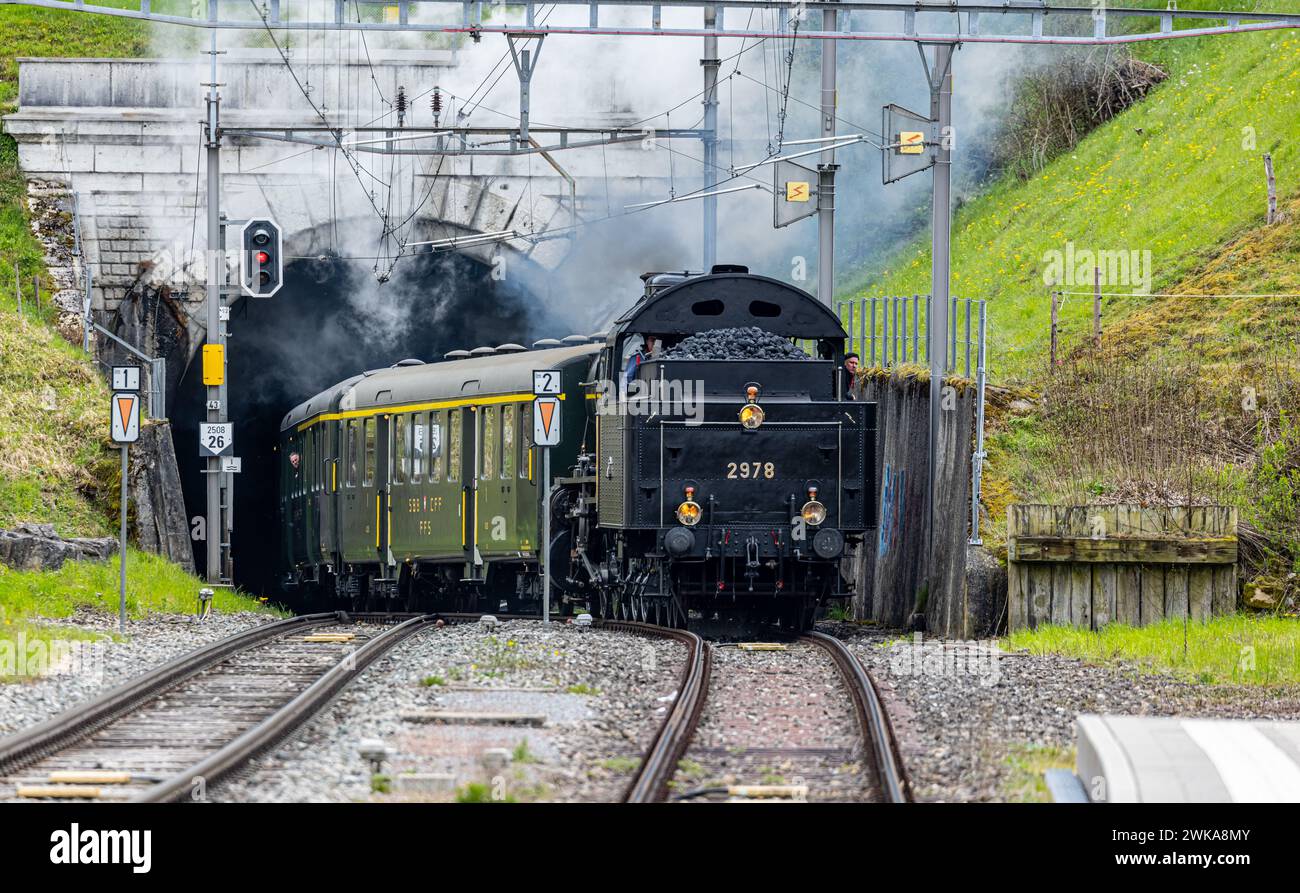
x: 263, y: 257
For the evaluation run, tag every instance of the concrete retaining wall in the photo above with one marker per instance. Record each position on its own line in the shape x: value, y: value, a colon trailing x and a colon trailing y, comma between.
x: 896, y: 578
x: 124, y: 135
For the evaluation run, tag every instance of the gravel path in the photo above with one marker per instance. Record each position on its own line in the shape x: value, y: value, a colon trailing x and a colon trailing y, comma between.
x: 961, y: 709
x: 104, y: 664
x: 777, y: 718
x: 601, y: 696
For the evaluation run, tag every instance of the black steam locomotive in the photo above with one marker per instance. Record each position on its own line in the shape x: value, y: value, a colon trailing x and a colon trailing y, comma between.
x: 693, y: 485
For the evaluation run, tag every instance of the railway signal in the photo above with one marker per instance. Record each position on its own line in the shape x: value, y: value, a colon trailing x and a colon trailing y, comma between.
x: 261, y: 258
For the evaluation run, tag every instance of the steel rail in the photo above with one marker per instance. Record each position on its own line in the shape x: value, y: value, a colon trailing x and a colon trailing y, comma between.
x: 650, y: 785
x: 71, y: 726
x: 282, y: 722
x: 877, y: 733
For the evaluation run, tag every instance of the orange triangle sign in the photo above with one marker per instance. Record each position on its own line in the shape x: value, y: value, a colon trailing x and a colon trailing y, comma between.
x: 124, y: 407
x: 547, y: 409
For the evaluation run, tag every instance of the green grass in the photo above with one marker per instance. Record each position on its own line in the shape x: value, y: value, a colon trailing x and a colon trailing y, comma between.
x: 582, y: 688
x: 55, y: 466
x: 1181, y: 188
x: 154, y: 585
x: 521, y: 753
x: 478, y: 792
x: 1240, y: 648
x: 37, y: 33
x: 430, y: 681
x: 621, y: 765
x: 1026, y: 765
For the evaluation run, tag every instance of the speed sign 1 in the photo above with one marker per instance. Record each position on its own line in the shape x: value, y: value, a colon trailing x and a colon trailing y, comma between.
x: 216, y: 438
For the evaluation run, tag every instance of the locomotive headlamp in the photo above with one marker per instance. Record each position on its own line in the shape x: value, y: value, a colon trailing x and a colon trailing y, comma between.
x: 688, y: 512
x: 751, y: 414
x: 813, y: 511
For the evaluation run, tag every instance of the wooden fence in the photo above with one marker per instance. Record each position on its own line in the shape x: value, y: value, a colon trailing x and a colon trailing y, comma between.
x: 1087, y: 566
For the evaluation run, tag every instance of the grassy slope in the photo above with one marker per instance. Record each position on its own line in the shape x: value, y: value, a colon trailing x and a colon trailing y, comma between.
x: 1181, y: 188
x: 55, y: 464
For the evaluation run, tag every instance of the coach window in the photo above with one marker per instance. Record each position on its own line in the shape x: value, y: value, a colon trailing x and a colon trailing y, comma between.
x: 489, y: 453
x: 525, y: 439
x: 399, y: 449
x: 368, y: 460
x: 419, y: 442
x: 351, y: 461
x: 309, y: 461
x: 326, y: 438
x: 436, y: 447
x: 507, y: 442
x: 453, y: 451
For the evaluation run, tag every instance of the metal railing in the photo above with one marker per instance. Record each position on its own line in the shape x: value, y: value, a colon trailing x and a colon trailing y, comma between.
x: 892, y: 331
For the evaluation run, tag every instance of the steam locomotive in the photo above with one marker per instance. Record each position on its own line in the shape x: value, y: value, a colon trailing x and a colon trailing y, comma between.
x: 719, y: 494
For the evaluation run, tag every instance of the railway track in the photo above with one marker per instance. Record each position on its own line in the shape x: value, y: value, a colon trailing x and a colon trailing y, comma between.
x: 170, y: 733
x: 676, y: 735
x: 671, y: 740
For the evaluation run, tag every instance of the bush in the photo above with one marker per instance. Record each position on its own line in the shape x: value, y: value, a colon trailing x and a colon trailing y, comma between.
x: 1057, y: 104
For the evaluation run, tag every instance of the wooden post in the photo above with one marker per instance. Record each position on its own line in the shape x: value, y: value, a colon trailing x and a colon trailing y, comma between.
x: 1272, y: 188
x: 36, y: 289
x: 1054, y: 330
x: 18, y: 290
x: 1096, y: 306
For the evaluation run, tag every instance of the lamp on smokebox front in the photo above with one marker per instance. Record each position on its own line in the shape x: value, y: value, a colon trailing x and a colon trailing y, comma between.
x: 813, y: 511
x: 261, y: 262
x: 688, y: 512
x: 751, y: 414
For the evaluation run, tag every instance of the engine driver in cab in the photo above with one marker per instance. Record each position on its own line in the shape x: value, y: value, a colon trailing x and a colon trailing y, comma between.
x: 634, y: 362
x: 851, y: 363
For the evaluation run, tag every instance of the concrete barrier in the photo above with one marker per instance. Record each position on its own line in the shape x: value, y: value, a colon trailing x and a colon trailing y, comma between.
x: 901, y: 581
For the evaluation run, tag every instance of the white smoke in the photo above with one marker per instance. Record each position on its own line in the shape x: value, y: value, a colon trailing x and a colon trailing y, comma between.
x: 626, y: 81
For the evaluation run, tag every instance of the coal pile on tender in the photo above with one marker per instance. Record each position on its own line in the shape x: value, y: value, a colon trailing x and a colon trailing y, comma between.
x: 746, y: 343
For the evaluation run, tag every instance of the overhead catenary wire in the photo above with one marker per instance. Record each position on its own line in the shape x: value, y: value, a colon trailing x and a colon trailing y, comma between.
x: 391, y: 213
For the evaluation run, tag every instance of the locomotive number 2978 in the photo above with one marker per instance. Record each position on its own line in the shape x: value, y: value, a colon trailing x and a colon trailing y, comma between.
x: 753, y: 470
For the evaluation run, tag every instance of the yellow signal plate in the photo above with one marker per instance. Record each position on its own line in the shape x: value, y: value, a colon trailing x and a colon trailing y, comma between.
x: 911, y: 142
x: 214, y: 364
x: 796, y: 191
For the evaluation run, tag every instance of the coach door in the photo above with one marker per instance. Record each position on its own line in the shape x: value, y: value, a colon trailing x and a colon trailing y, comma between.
x: 384, y: 488
x: 469, y: 472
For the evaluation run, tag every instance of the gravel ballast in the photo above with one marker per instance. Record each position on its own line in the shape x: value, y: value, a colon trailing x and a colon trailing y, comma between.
x: 104, y: 664
x: 599, y: 696
x: 962, y: 709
